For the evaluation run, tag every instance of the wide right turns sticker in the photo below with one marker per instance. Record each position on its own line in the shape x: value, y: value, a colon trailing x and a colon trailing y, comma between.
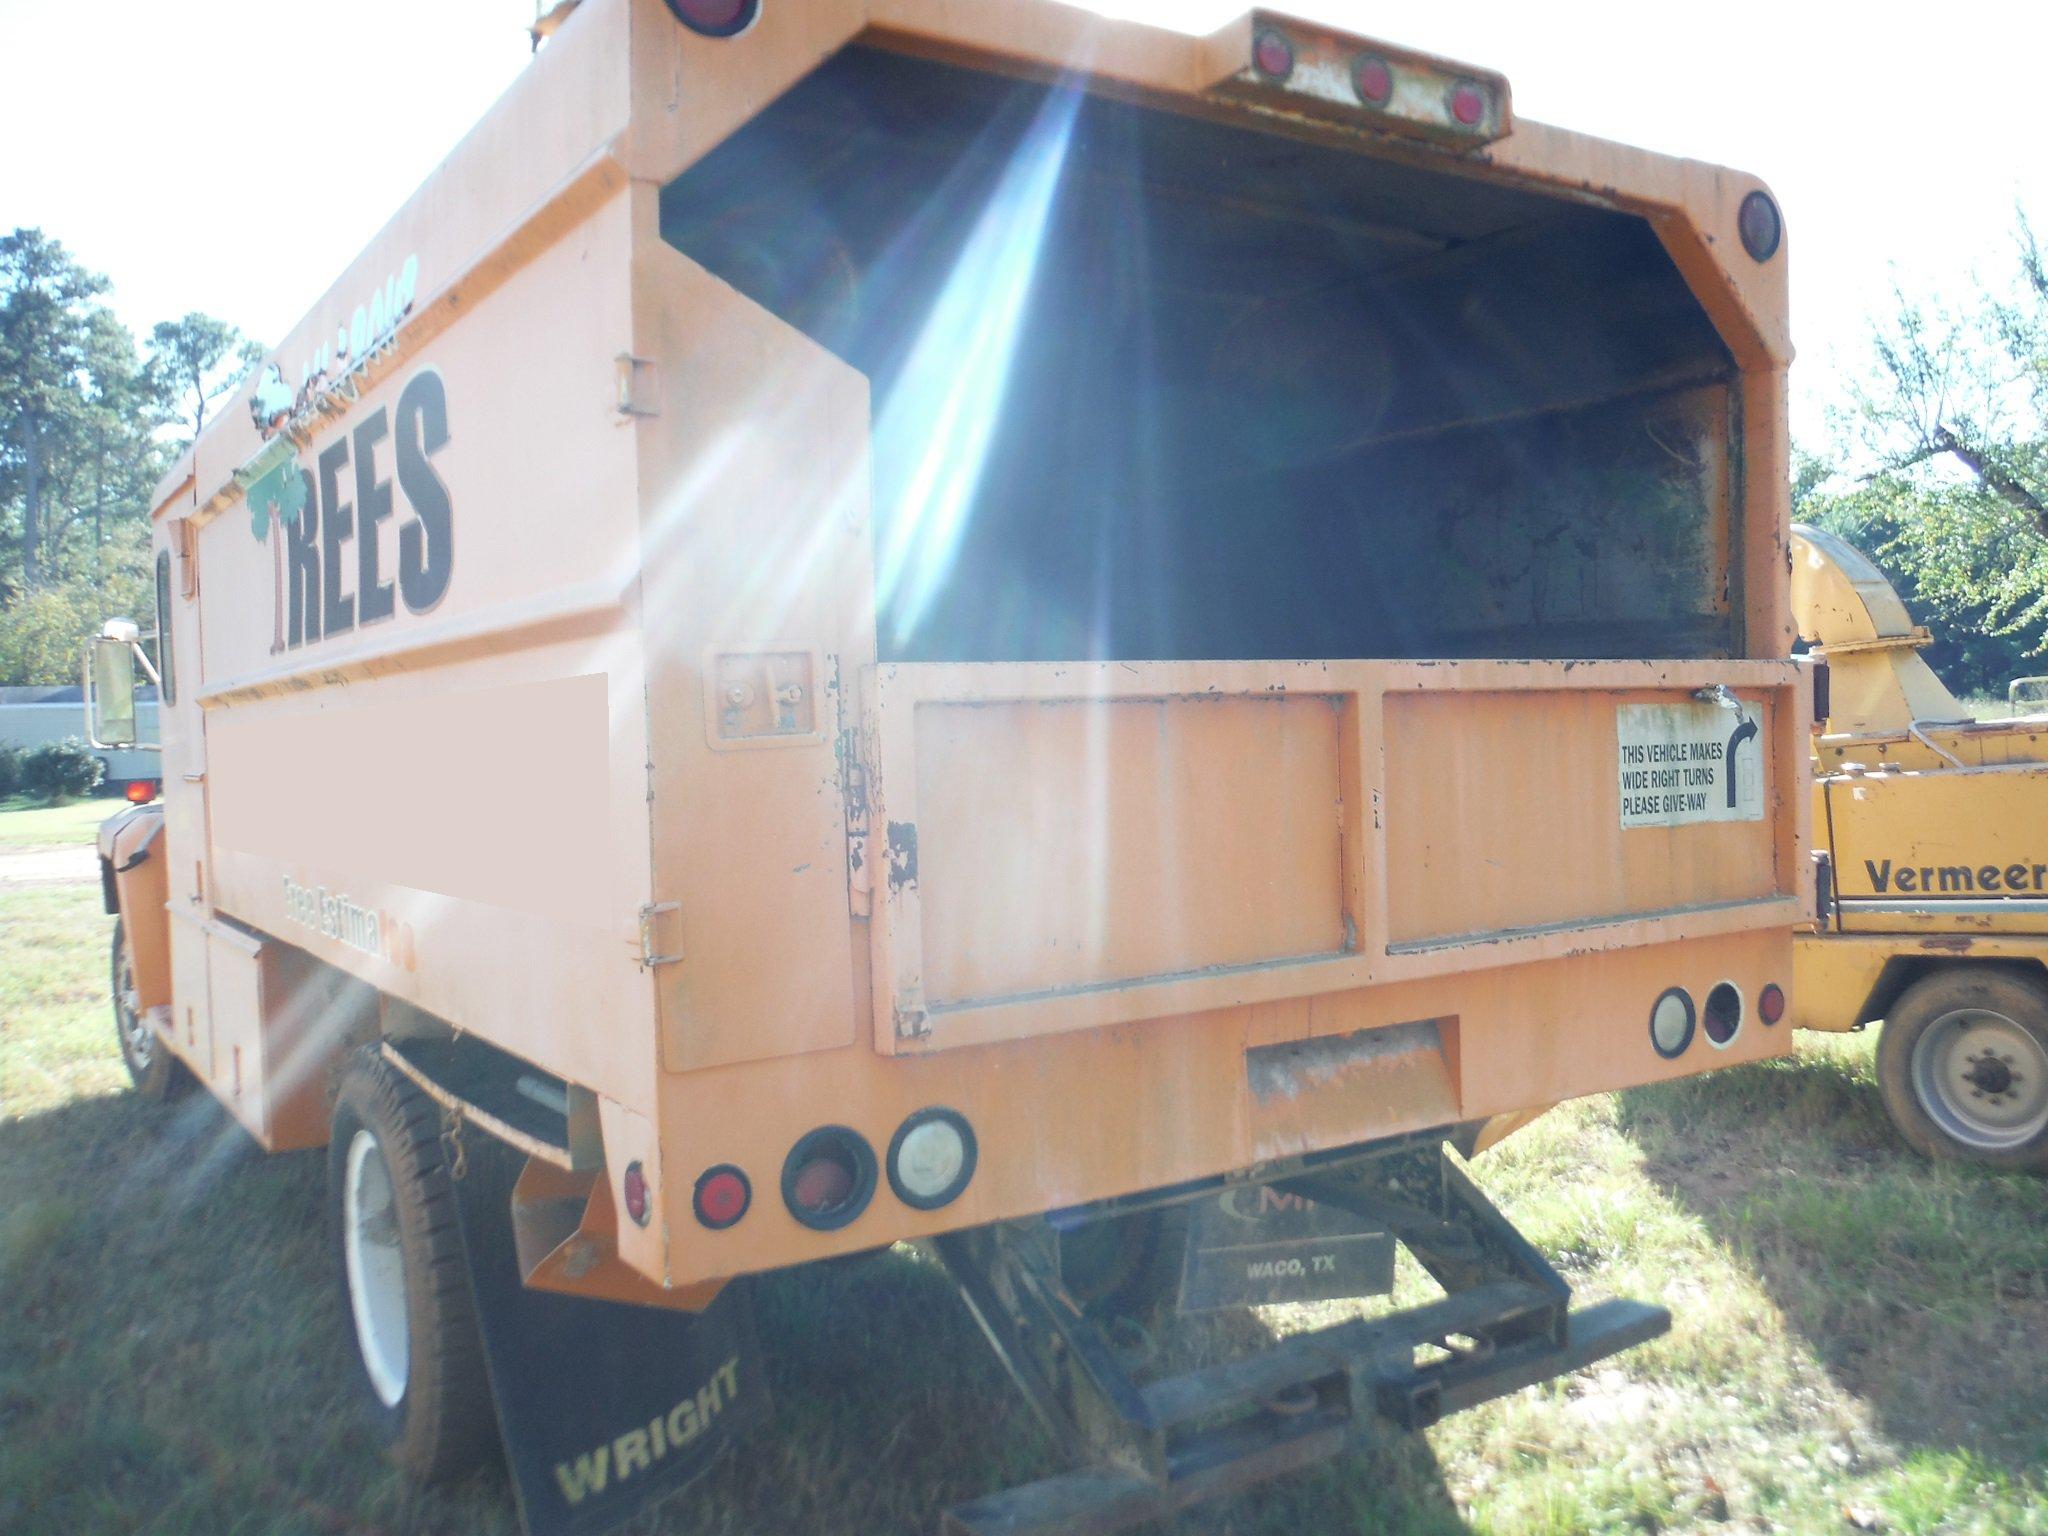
x: 1690, y: 762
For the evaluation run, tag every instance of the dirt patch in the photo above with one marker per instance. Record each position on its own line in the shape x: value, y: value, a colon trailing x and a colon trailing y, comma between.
x: 47, y: 866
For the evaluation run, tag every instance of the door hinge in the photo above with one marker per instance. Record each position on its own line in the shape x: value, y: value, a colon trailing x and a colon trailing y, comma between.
x: 853, y: 781
x: 649, y: 943
x: 639, y: 386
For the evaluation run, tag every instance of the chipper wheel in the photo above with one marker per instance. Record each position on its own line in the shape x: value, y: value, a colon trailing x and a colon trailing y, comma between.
x: 1964, y: 1067
x: 156, y: 1073
x: 403, y: 1274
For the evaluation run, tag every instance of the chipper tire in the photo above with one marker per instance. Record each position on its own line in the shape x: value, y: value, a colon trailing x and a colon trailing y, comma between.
x: 404, y: 1280
x: 154, y: 1071
x: 1963, y: 1065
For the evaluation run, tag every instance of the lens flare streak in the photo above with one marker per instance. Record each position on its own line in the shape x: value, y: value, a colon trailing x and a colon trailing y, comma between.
x: 941, y: 413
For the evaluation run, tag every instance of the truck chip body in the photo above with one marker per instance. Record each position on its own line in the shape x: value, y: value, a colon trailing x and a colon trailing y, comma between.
x: 1175, y: 602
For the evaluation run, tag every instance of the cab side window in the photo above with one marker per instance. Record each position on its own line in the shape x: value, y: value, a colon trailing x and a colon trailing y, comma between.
x: 163, y: 627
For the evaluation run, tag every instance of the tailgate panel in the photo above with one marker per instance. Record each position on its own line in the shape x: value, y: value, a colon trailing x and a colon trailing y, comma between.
x: 1054, y: 846
x: 1070, y: 844
x: 1503, y: 814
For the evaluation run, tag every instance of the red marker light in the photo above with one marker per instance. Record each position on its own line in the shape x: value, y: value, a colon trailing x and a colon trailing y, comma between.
x: 723, y: 1195
x: 1373, y: 81
x: 634, y: 1187
x: 142, y: 791
x: 1770, y: 1003
x: 1468, y: 106
x: 1274, y: 56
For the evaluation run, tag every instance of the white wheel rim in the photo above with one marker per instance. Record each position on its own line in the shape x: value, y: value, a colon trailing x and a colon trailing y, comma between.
x: 136, y: 1036
x: 376, y: 1268
x: 1983, y: 1078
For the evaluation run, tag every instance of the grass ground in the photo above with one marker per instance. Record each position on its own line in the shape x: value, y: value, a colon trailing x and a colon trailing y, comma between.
x: 24, y: 824
x: 1861, y: 1339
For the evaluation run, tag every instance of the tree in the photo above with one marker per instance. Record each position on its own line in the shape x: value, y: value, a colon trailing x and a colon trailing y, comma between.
x: 81, y: 423
x: 194, y: 362
x: 46, y: 334
x: 1949, y: 488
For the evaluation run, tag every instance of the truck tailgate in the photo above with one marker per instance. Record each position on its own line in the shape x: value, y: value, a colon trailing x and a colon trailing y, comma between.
x: 1055, y: 846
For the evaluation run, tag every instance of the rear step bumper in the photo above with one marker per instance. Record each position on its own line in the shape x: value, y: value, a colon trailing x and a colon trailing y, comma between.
x: 1251, y: 1449
x: 1504, y: 1324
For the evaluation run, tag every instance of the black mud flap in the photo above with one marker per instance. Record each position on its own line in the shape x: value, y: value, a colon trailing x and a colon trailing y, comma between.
x: 604, y: 1408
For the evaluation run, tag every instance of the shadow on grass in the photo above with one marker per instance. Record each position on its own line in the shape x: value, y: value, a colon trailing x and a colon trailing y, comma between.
x: 1921, y: 1288
x: 174, y: 1357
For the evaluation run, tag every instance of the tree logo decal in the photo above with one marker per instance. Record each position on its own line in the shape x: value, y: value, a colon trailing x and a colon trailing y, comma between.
x: 276, y: 490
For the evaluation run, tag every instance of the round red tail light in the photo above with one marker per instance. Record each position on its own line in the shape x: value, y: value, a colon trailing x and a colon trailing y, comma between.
x: 1468, y: 105
x: 633, y: 1187
x: 828, y: 1178
x: 1373, y: 80
x: 716, y: 18
x: 1273, y: 55
x: 1770, y: 1003
x: 142, y: 791
x: 723, y: 1195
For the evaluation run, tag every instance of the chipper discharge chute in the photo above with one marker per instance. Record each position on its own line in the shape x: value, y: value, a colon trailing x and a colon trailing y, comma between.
x: 901, y: 621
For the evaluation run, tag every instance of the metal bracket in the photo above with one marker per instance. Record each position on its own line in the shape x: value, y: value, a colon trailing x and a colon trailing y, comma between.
x: 853, y: 790
x: 1504, y: 1324
x: 648, y: 914
x: 639, y: 386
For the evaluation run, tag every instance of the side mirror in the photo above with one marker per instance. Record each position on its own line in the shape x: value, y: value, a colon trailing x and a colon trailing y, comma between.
x: 110, y: 658
x: 112, y: 695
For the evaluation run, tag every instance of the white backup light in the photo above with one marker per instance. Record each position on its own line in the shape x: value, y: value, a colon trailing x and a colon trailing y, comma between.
x: 1671, y: 1023
x: 931, y: 1159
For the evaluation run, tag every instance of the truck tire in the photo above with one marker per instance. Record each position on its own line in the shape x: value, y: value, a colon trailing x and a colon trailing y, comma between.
x: 1126, y: 1266
x: 154, y: 1071
x: 404, y: 1279
x: 1963, y: 1065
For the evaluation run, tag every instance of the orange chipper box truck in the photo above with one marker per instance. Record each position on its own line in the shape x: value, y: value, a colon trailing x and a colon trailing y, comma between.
x: 949, y: 621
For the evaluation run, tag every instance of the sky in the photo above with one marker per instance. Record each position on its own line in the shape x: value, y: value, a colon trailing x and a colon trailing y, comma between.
x: 231, y: 156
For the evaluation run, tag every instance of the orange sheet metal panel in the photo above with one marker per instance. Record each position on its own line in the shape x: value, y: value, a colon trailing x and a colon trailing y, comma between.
x: 425, y: 693
x: 1503, y: 813
x: 1065, y: 845
x: 1095, y: 1112
x: 758, y: 581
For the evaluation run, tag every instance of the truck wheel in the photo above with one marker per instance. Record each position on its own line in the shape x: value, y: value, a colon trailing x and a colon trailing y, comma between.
x: 1963, y: 1065
x: 403, y: 1275
x: 154, y: 1071
x: 1127, y: 1266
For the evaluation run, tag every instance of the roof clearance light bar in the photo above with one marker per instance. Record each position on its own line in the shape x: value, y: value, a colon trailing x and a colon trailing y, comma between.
x: 1313, y: 72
